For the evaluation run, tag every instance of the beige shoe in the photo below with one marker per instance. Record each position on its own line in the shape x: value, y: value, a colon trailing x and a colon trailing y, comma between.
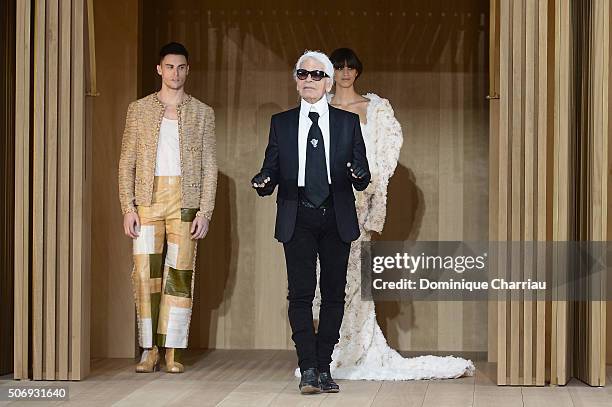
x: 172, y: 366
x: 149, y: 361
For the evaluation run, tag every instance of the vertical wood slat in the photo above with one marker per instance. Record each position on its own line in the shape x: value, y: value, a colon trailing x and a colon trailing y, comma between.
x: 516, y: 159
x: 584, y: 144
x: 580, y: 164
x: 505, y: 118
x: 607, y: 109
x: 494, y: 155
x: 51, y: 187
x: 22, y: 196
x: 502, y: 193
x: 64, y: 189
x: 38, y: 160
x: 559, y: 331
x: 542, y: 190
x: 599, y: 170
x: 531, y: 61
x: 79, y: 357
x: 593, y: 325
x: 602, y: 115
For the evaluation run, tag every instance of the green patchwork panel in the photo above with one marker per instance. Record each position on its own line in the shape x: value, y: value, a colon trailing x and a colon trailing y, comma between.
x: 155, y: 302
x: 178, y: 283
x: 178, y: 355
x: 155, y: 265
x: 188, y: 214
x: 160, y: 340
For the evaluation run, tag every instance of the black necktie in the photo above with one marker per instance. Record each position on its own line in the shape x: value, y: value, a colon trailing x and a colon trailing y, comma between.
x: 316, y: 186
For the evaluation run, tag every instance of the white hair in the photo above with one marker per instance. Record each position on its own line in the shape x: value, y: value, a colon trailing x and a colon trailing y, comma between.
x: 319, y: 57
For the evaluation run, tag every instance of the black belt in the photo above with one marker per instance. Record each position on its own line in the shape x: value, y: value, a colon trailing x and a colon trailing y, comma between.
x: 303, y: 201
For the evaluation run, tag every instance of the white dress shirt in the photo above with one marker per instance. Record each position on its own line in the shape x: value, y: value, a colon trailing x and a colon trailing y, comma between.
x: 322, y: 108
x: 168, y: 161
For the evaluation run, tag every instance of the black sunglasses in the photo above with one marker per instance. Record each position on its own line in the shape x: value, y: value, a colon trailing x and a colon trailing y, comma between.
x: 317, y: 75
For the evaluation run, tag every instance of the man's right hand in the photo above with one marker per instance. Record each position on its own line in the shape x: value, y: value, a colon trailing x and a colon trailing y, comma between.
x: 131, y: 224
x: 260, y: 180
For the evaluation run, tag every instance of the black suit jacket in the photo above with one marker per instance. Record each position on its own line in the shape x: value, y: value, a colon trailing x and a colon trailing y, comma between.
x: 281, y: 165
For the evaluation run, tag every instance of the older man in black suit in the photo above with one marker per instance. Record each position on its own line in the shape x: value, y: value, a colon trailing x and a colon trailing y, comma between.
x: 316, y: 155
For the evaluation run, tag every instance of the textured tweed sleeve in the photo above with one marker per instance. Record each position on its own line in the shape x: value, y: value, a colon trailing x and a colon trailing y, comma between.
x: 389, y: 140
x: 209, y: 166
x: 127, y: 161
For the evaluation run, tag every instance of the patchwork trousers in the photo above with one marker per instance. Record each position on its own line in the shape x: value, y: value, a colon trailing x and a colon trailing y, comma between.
x: 164, y: 267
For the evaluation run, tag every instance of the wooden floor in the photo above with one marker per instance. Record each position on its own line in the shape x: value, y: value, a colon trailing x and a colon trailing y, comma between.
x: 265, y: 378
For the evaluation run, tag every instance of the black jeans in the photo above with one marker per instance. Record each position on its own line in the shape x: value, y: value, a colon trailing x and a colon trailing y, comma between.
x: 316, y: 233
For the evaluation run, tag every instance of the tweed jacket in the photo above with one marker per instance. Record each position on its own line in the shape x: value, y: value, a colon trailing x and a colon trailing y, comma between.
x: 196, y: 123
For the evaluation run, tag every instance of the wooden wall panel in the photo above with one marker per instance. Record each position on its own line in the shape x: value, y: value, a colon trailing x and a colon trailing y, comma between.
x: 59, y: 342
x: 587, y: 23
x: 520, y: 192
x: 241, y: 66
x: 112, y: 316
x: 551, y: 181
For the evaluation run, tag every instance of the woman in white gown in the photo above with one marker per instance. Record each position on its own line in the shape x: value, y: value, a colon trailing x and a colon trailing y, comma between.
x: 362, y: 352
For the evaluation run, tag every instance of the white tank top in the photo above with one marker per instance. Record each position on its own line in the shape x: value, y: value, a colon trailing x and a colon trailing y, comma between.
x: 168, y: 161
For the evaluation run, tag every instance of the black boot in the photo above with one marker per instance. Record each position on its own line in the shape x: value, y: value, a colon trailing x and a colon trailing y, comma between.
x: 328, y: 385
x: 309, y: 383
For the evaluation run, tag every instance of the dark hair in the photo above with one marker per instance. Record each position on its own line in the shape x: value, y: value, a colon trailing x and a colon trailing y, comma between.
x: 173, y: 48
x: 342, y: 57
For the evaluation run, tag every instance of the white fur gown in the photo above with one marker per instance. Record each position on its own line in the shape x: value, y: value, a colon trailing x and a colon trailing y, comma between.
x: 362, y: 352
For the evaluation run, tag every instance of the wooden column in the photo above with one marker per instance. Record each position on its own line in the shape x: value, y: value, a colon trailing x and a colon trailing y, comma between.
x: 50, y: 273
x: 519, y: 165
x: 549, y: 168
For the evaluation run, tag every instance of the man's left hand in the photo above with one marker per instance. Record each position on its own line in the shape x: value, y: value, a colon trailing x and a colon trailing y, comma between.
x: 356, y: 171
x: 199, y: 227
